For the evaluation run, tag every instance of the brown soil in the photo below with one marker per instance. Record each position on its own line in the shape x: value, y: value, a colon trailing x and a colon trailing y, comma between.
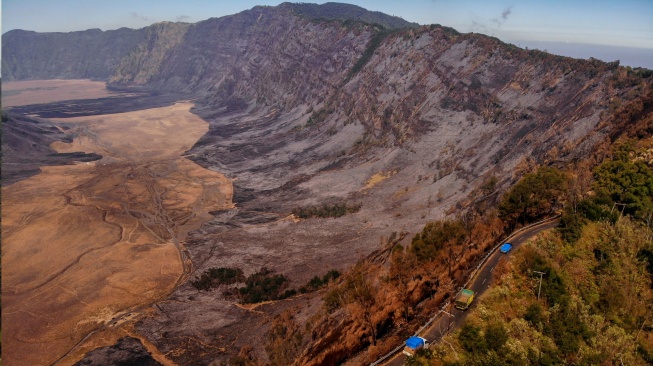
x: 15, y: 93
x: 88, y: 247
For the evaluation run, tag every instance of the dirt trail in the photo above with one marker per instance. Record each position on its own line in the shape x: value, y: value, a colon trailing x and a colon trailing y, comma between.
x: 87, y: 248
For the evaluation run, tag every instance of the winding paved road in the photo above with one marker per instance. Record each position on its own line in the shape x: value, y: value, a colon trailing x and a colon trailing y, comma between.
x: 453, y: 318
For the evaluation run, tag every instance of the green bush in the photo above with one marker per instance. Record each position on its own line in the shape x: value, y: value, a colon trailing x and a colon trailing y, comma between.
x: 317, y: 282
x: 627, y: 180
x: 435, y: 236
x: 263, y: 286
x: 214, y: 277
x: 534, y: 315
x: 534, y: 196
x: 335, y: 210
x: 471, y: 340
x: 495, y: 336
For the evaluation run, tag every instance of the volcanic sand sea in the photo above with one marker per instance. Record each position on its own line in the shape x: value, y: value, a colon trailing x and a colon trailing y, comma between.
x: 87, y: 248
x: 16, y: 93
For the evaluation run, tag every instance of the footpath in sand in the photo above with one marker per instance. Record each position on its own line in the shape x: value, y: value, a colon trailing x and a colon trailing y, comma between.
x: 87, y: 248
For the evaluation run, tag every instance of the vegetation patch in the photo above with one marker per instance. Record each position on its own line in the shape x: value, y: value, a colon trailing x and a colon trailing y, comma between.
x: 534, y: 196
x: 263, y: 285
x: 435, y: 236
x: 318, y: 282
x: 214, y: 277
x: 373, y: 44
x: 318, y: 117
x: 335, y: 210
x: 592, y: 303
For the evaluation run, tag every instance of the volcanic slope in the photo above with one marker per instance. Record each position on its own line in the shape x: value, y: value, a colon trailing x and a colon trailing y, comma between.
x: 409, y: 123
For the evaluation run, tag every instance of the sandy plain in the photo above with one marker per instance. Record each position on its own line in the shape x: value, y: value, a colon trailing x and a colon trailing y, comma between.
x: 16, y: 93
x: 87, y: 248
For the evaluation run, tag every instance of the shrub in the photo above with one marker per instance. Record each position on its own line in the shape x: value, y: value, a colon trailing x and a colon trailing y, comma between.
x: 263, y: 286
x: 534, y: 315
x: 335, y: 210
x: 535, y: 195
x: 435, y: 235
x: 471, y: 340
x: 317, y: 282
x: 214, y: 277
x: 495, y: 336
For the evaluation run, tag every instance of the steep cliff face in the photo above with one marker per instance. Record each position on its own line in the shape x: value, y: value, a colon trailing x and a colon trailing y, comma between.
x: 145, y: 59
x: 265, y: 56
x: 90, y: 54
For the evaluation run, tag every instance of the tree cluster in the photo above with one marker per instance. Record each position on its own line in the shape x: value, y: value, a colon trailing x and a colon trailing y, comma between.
x: 318, y: 282
x: 623, y: 185
x: 326, y: 211
x: 260, y: 286
x: 215, y: 277
x: 595, y: 305
x: 536, y: 195
x: 435, y: 236
x: 264, y: 285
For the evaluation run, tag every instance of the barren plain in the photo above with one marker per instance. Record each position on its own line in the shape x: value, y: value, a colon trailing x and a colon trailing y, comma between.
x: 17, y: 93
x: 88, y: 247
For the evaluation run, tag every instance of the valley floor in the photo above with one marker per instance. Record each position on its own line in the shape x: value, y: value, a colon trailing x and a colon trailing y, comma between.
x: 88, y: 247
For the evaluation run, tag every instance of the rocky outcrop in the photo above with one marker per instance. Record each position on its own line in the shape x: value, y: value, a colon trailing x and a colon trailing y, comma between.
x: 127, y: 352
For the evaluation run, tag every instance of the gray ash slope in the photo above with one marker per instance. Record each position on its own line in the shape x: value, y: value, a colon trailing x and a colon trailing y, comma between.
x: 305, y: 109
x: 25, y: 147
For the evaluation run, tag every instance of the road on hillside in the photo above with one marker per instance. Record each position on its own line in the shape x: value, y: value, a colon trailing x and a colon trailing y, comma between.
x: 454, y: 318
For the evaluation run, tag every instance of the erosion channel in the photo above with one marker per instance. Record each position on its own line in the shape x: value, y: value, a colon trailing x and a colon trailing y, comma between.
x: 93, y: 245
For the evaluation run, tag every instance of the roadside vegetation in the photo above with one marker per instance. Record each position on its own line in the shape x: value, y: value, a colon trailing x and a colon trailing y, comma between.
x: 375, y: 304
x: 595, y: 303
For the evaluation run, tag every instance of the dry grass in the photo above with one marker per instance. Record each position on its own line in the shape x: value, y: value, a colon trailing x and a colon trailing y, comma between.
x: 378, y: 178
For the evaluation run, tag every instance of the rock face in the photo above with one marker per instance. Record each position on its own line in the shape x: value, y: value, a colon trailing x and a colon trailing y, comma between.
x: 90, y: 54
x: 307, y: 107
x: 127, y: 352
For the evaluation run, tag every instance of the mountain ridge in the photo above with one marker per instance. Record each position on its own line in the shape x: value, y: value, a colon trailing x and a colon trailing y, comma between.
x: 410, y: 123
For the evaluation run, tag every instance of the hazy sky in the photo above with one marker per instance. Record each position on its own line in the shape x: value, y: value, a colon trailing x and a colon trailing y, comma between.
x: 625, y: 23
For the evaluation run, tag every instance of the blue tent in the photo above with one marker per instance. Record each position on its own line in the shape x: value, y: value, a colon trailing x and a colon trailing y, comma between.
x: 415, y: 342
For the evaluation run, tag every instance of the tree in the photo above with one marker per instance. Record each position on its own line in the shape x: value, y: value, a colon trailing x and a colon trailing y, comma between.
x: 284, y: 340
x: 435, y: 236
x: 535, y: 195
x: 626, y: 179
x: 362, y: 297
x: 495, y: 336
x: 471, y: 340
x: 402, y: 273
